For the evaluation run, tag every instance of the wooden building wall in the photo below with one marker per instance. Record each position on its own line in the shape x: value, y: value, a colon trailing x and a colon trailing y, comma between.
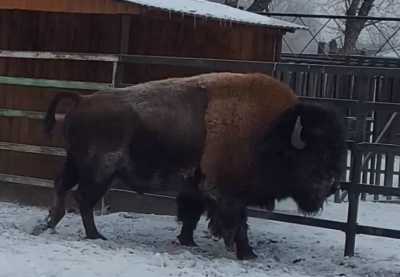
x: 151, y: 33
x: 72, y: 6
x: 175, y: 35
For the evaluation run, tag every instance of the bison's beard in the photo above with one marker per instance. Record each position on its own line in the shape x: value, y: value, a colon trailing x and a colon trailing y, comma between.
x: 313, y: 180
x: 309, y: 186
x: 311, y: 198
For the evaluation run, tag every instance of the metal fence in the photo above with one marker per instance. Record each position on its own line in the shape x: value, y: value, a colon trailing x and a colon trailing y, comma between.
x: 325, y: 34
x: 301, y: 77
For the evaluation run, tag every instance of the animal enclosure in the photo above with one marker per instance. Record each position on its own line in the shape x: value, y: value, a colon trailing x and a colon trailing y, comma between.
x: 101, y: 44
x: 355, y: 108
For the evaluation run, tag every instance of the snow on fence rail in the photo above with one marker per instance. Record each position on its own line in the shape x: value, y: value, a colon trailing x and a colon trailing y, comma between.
x: 312, y: 82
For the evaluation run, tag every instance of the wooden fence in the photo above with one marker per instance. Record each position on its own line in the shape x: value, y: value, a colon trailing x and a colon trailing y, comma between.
x: 353, y: 90
x: 337, y: 59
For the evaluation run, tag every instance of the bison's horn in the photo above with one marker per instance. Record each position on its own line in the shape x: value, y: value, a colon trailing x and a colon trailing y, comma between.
x: 296, y: 140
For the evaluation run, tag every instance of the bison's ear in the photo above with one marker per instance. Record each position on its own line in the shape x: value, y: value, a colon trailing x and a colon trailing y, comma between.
x: 295, y: 139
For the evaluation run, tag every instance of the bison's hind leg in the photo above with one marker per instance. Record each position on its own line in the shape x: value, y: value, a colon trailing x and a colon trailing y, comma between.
x: 191, y: 205
x: 94, y: 181
x: 87, y: 195
x: 65, y: 181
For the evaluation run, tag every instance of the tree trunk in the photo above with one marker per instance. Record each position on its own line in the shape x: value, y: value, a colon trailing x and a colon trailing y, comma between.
x: 232, y: 3
x: 259, y: 6
x: 354, y: 27
x: 351, y: 34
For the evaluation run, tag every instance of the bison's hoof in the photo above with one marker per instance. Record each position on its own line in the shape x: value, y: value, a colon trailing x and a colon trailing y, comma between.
x: 39, y: 228
x: 186, y: 241
x: 246, y: 255
x: 96, y: 236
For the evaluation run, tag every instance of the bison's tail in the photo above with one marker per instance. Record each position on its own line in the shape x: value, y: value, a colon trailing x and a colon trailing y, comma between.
x: 49, y: 119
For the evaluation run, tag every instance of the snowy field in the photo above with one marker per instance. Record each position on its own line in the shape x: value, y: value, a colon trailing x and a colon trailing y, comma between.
x: 145, y: 245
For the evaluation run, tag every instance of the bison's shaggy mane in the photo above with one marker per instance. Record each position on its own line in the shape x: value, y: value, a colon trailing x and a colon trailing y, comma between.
x: 306, y: 174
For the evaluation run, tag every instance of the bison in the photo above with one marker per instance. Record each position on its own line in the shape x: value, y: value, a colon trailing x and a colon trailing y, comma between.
x: 247, y: 139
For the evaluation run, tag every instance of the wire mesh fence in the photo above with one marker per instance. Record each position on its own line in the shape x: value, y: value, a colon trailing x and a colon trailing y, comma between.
x: 325, y: 35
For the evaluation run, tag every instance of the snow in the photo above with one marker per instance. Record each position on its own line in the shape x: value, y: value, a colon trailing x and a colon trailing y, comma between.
x: 145, y: 245
x: 217, y: 11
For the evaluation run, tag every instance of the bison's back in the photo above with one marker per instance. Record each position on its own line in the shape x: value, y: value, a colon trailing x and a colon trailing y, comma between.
x: 219, y: 117
x: 213, y: 119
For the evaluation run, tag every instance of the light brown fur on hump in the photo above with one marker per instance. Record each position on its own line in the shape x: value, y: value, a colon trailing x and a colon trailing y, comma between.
x: 241, y: 108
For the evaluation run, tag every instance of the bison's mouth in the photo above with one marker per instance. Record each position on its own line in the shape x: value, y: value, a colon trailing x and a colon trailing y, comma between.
x: 310, y: 199
x: 309, y: 210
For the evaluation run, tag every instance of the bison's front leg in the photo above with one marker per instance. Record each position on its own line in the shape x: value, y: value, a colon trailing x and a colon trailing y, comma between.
x: 190, y: 208
x: 229, y: 221
x: 243, y: 248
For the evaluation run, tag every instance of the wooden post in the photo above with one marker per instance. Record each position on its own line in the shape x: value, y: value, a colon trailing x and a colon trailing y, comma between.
x: 353, y: 196
x: 362, y: 87
x: 373, y: 170
x: 124, y: 47
x: 365, y: 169
x: 337, y: 197
x: 377, y: 177
x: 389, y: 172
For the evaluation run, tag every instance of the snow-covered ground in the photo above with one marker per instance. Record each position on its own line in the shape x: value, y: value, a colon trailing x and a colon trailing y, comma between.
x: 145, y: 245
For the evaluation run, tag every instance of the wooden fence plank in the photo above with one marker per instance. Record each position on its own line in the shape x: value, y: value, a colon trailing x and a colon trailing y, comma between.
x: 53, y: 151
x: 254, y: 66
x: 377, y: 180
x: 46, y: 83
x: 58, y: 56
x: 21, y: 113
x: 27, y: 114
x: 26, y: 180
x: 389, y: 172
x: 212, y: 64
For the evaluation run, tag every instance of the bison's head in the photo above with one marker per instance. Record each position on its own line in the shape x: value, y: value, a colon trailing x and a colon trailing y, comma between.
x: 302, y: 155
